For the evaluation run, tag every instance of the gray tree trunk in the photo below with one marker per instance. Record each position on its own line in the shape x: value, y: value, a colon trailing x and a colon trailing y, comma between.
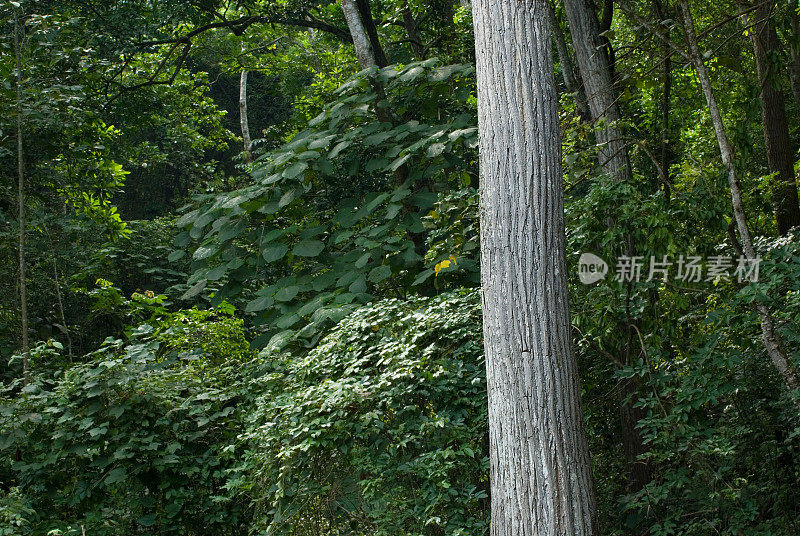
x: 597, y: 75
x: 590, y: 50
x: 541, y: 479
x: 23, y: 298
x: 567, y: 68
x: 247, y: 142
x: 361, y: 42
x: 770, y: 337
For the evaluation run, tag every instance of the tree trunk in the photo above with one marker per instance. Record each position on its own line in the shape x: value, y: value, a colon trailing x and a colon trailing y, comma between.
x: 361, y: 42
x: 567, y: 68
x: 247, y: 142
x: 666, y: 94
x: 794, y: 65
x: 368, y: 24
x: 780, y: 156
x: 770, y: 337
x: 413, y: 35
x: 541, y: 481
x: 590, y: 49
x: 23, y: 298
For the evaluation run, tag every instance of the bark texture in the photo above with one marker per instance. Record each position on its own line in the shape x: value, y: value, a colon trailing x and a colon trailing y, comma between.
x: 769, y: 335
x: 541, y: 481
x: 247, y: 142
x: 361, y: 41
x: 590, y: 50
x: 368, y: 24
x: 567, y: 68
x: 780, y: 156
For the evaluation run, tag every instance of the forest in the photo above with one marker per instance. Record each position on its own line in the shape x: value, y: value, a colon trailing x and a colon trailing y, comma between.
x: 399, y: 267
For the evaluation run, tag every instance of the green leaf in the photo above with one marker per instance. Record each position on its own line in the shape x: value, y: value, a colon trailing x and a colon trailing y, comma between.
x: 116, y: 475
x: 175, y: 255
x: 294, y: 170
x: 287, y: 198
x: 359, y: 286
x: 204, y: 252
x: 259, y: 304
x: 274, y: 253
x: 287, y: 293
x: 422, y: 277
x: 308, y: 248
x: 363, y: 260
x: 380, y: 273
x: 195, y: 290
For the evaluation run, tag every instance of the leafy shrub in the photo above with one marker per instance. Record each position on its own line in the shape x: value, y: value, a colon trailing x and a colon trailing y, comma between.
x: 139, y: 439
x: 379, y: 430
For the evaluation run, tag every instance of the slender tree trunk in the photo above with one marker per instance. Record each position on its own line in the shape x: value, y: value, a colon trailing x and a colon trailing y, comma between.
x: 780, y: 156
x: 605, y: 26
x: 770, y: 337
x: 567, y: 68
x: 794, y: 65
x: 541, y: 481
x: 666, y: 95
x: 413, y: 35
x: 361, y: 42
x: 243, y: 121
x: 590, y: 49
x: 57, y: 282
x: 368, y: 23
x: 23, y: 298
x: 312, y: 38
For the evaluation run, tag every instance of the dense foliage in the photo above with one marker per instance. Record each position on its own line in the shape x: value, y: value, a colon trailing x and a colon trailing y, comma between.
x: 287, y: 339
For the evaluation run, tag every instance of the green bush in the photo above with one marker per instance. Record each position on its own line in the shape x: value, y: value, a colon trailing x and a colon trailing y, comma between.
x: 379, y: 430
x: 139, y: 439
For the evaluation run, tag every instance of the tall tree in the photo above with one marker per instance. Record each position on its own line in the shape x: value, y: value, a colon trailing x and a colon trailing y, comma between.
x: 571, y: 82
x: 598, y: 82
x: 780, y: 155
x: 23, y: 289
x: 361, y: 40
x: 769, y: 335
x: 541, y: 480
x: 592, y: 49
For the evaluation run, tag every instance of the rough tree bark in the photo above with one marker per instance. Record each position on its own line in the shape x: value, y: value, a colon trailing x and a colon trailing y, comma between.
x: 368, y: 23
x: 567, y: 68
x: 769, y: 335
x: 247, y: 142
x: 361, y: 42
x: 541, y: 481
x: 780, y: 156
x: 23, y: 299
x: 590, y: 50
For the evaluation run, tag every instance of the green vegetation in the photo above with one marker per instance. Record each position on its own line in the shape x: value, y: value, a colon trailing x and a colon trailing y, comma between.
x: 288, y: 339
